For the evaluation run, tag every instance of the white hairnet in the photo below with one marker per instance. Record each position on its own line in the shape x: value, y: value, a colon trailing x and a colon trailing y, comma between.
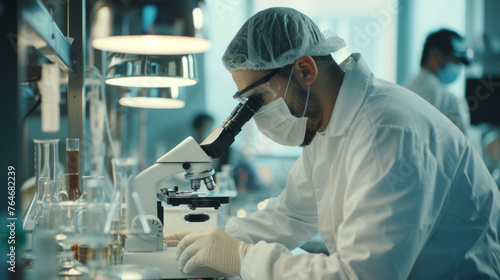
x: 277, y: 37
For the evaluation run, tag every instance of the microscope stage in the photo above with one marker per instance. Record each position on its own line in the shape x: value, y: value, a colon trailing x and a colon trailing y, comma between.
x: 211, y: 200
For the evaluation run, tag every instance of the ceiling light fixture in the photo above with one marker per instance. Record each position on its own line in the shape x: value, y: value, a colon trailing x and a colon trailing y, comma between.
x: 155, y: 98
x: 151, y: 71
x: 149, y: 27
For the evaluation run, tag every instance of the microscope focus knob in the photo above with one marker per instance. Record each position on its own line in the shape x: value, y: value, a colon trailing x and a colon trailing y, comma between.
x: 196, y: 217
x: 154, y: 223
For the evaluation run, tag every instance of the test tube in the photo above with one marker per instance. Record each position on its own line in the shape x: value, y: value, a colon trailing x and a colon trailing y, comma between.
x: 72, y: 155
x: 72, y: 167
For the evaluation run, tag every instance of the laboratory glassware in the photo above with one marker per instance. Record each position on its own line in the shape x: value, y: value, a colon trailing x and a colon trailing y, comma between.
x: 66, y: 238
x: 45, y: 265
x: 68, y: 190
x: 68, y: 187
x: 46, y: 218
x: 90, y: 220
x: 72, y: 167
x: 72, y: 155
x: 123, y: 198
x: 46, y: 158
x: 56, y: 218
x: 226, y: 182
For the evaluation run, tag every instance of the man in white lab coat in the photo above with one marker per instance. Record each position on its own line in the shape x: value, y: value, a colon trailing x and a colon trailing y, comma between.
x: 443, y: 58
x: 396, y: 191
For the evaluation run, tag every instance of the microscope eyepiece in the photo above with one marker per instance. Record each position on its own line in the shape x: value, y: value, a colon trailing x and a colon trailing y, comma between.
x: 244, y: 113
x: 223, y: 136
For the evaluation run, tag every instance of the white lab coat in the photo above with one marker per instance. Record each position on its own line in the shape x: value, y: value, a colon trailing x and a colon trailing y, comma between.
x: 396, y: 191
x: 428, y: 86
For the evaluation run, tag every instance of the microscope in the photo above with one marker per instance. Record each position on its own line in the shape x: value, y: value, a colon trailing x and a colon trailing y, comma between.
x: 195, y: 160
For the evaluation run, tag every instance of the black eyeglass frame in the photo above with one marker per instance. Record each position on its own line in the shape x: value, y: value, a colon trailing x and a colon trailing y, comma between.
x: 257, y: 83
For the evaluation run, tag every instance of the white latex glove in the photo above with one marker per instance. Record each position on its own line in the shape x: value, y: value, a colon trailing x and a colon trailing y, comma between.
x: 173, y: 239
x: 212, y: 247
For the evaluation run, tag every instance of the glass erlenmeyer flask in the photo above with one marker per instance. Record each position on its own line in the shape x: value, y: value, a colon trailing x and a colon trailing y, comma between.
x: 46, y: 219
x: 48, y: 216
x: 46, y: 156
x: 124, y: 198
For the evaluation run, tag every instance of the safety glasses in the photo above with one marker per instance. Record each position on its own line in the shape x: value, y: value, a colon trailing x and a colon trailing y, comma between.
x: 263, y: 89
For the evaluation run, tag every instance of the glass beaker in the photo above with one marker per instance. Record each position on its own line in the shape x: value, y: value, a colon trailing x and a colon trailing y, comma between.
x: 92, y: 189
x: 66, y: 191
x: 124, y: 197
x: 90, y: 218
x: 46, y: 158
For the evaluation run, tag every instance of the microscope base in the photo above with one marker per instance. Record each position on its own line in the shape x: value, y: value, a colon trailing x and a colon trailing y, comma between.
x: 168, y: 265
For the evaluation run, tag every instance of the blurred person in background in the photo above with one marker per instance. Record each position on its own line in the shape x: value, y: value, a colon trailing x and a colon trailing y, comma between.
x: 203, y: 125
x: 443, y: 59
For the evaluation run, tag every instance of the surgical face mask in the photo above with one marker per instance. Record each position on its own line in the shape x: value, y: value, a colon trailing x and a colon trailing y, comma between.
x: 449, y: 73
x: 276, y: 122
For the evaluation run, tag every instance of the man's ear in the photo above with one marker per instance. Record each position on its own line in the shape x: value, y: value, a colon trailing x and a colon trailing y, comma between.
x: 307, y: 69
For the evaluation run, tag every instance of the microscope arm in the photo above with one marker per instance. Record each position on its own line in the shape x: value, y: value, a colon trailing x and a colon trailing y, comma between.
x: 186, y: 157
x: 146, y: 183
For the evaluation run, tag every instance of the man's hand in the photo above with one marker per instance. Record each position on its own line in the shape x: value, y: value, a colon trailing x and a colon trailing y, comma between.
x: 212, y: 247
x: 173, y: 239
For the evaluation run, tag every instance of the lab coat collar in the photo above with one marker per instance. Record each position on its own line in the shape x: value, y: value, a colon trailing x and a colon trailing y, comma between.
x: 351, y: 95
x: 429, y: 76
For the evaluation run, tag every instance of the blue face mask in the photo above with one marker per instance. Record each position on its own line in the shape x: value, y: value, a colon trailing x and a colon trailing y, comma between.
x: 449, y: 73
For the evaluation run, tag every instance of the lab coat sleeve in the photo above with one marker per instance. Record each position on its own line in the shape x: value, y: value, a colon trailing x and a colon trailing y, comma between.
x: 395, y: 191
x: 289, y: 219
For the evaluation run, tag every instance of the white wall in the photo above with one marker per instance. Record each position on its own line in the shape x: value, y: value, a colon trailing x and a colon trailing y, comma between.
x: 367, y: 26
x: 226, y: 18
